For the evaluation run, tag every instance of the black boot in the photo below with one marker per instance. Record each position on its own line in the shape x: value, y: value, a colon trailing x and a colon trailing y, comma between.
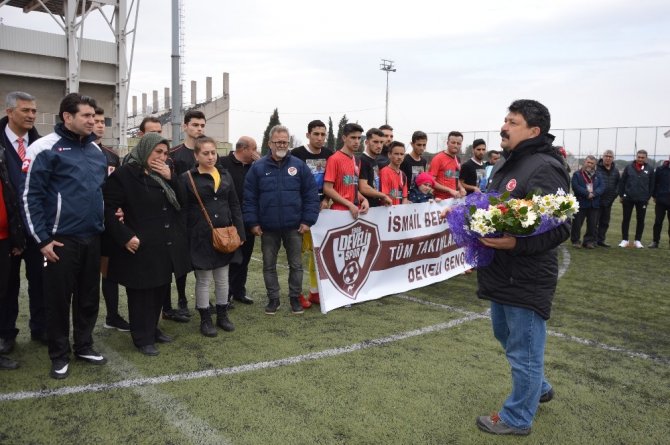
x: 206, y: 327
x: 222, y: 320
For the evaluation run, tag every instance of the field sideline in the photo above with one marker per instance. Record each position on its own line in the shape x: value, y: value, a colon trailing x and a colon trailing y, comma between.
x: 407, y: 369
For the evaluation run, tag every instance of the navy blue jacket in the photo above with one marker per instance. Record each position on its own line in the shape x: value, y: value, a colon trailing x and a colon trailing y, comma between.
x: 582, y: 193
x: 662, y: 184
x: 636, y: 186
x: 63, y: 186
x: 280, y: 196
x: 611, y: 179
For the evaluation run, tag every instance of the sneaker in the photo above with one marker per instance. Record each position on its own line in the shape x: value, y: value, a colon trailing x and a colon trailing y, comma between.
x: 7, y: 363
x: 304, y: 302
x: 547, y: 396
x: 314, y: 297
x: 296, y: 307
x: 90, y: 355
x: 59, y: 369
x: 603, y: 244
x: 638, y: 245
x: 493, y: 424
x: 653, y: 245
x: 117, y: 323
x: 173, y: 315
x: 623, y: 243
x: 272, y: 306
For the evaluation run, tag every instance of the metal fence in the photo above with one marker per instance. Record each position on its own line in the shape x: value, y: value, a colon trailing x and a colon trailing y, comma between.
x: 579, y: 142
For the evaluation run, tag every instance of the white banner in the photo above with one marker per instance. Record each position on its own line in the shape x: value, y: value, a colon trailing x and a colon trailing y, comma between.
x: 386, y: 251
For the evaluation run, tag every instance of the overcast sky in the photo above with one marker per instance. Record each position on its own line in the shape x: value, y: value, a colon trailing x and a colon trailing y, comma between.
x: 594, y: 63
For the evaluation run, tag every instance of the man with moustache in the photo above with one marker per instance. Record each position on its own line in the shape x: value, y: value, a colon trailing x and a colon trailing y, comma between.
x: 368, y: 181
x: 63, y: 207
x: 281, y: 202
x: 610, y: 176
x: 588, y: 187
x: 446, y: 168
x: 473, y: 171
x: 383, y: 158
x: 414, y: 162
x: 521, y: 280
x: 635, y: 189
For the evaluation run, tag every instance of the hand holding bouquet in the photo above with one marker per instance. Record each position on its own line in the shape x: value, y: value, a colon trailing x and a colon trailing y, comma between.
x: 493, y: 215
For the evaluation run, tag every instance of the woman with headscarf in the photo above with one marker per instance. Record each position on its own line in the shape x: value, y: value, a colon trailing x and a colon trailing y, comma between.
x: 150, y: 243
x: 215, y: 189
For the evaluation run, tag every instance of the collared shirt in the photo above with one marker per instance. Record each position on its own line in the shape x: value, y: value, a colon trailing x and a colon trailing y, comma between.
x: 15, y: 139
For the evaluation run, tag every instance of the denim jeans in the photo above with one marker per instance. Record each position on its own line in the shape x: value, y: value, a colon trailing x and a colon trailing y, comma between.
x: 522, y: 333
x: 270, y: 242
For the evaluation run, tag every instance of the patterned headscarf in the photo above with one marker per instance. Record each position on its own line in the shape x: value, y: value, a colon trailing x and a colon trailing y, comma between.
x: 140, y: 155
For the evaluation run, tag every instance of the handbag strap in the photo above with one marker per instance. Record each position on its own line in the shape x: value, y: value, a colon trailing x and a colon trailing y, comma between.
x: 197, y: 195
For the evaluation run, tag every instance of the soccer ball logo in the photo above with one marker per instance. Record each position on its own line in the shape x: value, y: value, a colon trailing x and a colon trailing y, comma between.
x: 351, y: 272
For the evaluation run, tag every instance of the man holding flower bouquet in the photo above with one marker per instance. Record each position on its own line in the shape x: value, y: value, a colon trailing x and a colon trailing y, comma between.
x: 521, y: 279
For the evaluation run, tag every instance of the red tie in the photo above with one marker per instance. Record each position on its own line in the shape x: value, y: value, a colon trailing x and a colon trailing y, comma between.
x: 21, y: 149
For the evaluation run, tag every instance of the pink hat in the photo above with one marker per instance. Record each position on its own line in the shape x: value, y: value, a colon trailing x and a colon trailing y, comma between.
x: 424, y: 178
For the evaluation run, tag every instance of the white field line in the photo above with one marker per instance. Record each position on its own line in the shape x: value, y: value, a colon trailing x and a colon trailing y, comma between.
x: 565, y: 261
x: 147, y: 381
x: 174, y: 412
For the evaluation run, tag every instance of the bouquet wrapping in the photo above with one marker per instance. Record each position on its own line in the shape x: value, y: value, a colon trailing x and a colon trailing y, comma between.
x: 491, y: 215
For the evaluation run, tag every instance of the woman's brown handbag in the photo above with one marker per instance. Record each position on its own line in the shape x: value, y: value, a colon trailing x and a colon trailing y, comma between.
x: 224, y: 239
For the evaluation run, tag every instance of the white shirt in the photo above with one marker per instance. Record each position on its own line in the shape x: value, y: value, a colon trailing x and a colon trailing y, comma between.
x: 14, y: 139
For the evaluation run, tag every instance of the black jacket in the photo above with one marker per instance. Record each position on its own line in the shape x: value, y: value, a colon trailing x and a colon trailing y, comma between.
x: 149, y: 216
x: 611, y: 179
x: 14, y: 164
x: 526, y: 276
x: 662, y: 184
x: 17, y: 237
x: 636, y: 186
x: 223, y: 209
x: 237, y: 170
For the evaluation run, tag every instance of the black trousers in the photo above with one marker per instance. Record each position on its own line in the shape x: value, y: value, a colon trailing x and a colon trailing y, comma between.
x: 5, y: 259
x: 237, y: 273
x: 591, y: 217
x: 144, y: 309
x: 661, y: 210
x: 603, y: 222
x: 74, y: 278
x: 9, y: 311
x: 640, y: 212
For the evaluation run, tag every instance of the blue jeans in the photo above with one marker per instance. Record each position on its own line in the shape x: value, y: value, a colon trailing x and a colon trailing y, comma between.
x: 270, y: 242
x: 522, y: 333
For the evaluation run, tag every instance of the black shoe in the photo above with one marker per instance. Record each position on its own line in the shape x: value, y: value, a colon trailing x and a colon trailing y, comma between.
x: 653, y: 245
x: 272, y: 306
x: 7, y: 363
x: 547, y: 396
x: 7, y: 345
x: 149, y: 350
x: 222, y: 319
x: 243, y: 299
x: 59, y: 369
x: 296, y: 307
x: 173, y: 315
x: 90, y: 355
x: 117, y: 323
x: 163, y: 338
x: 589, y: 246
x: 603, y: 244
x: 40, y: 337
x: 183, y: 308
x: 206, y: 327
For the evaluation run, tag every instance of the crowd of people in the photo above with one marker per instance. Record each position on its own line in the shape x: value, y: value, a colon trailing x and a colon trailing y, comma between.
x: 74, y: 212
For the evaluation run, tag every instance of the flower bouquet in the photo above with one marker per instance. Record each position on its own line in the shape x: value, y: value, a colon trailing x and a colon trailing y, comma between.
x: 491, y: 215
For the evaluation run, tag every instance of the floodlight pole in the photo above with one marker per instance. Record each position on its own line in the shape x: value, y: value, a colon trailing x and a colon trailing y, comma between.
x: 387, y: 65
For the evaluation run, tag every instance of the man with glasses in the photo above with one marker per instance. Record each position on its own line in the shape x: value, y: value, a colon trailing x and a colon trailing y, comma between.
x: 63, y: 208
x: 281, y: 202
x: 610, y: 176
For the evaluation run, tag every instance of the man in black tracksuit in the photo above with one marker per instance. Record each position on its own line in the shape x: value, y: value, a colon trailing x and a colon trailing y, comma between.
x: 521, y: 280
x: 635, y: 189
x: 610, y: 176
x: 661, y: 196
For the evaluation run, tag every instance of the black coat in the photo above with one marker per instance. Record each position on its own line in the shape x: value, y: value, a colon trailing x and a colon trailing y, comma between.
x: 611, y: 179
x: 17, y: 237
x: 149, y: 216
x: 223, y: 209
x: 637, y: 185
x: 526, y: 276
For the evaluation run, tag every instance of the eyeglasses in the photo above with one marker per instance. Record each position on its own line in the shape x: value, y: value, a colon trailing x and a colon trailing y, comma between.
x: 280, y: 143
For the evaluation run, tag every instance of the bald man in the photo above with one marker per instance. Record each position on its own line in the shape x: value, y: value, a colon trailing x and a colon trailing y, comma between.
x: 238, y: 163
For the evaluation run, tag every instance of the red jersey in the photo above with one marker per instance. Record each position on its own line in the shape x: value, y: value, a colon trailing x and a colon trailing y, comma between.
x: 342, y: 171
x: 4, y: 218
x: 393, y: 183
x: 446, y: 171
